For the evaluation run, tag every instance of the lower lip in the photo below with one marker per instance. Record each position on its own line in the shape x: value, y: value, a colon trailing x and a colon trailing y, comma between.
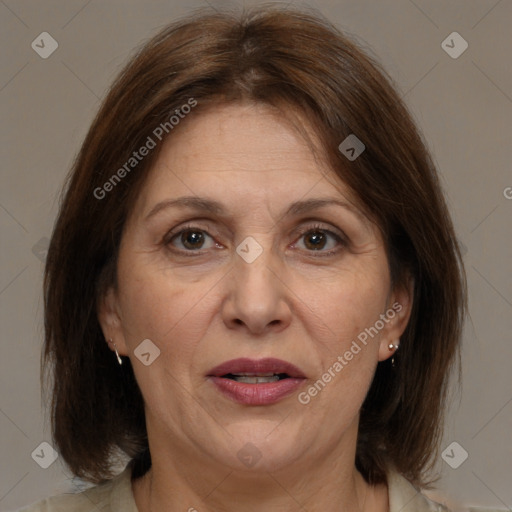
x: 257, y: 394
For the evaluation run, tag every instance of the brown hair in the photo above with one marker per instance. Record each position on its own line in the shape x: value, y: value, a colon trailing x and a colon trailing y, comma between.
x: 279, y: 57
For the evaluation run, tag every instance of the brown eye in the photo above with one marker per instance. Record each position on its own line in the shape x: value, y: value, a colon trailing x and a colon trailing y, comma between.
x: 315, y: 240
x: 191, y: 239
x: 320, y: 240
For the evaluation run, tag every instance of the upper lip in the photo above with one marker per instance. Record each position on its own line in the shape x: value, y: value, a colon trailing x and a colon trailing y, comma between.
x: 256, y: 367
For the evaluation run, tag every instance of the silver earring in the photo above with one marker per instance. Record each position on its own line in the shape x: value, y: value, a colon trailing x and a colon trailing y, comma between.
x: 119, y: 360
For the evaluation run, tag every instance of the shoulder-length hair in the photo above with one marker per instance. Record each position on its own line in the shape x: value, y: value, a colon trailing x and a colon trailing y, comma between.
x: 287, y: 59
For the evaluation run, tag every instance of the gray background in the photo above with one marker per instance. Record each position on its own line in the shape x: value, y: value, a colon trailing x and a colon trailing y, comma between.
x: 462, y: 105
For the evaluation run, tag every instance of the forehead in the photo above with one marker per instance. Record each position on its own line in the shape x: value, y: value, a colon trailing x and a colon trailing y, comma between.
x: 252, y: 133
x: 241, y: 153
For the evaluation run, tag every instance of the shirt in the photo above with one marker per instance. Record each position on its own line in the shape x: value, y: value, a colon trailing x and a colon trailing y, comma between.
x: 116, y: 496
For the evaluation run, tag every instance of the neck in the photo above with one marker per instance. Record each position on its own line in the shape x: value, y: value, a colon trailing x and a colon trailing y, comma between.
x: 180, y: 479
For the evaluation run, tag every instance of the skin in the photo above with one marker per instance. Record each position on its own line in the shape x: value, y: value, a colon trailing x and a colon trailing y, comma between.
x: 290, y: 303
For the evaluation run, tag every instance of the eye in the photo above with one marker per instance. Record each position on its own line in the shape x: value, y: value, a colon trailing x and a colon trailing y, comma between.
x: 191, y: 239
x: 319, y: 239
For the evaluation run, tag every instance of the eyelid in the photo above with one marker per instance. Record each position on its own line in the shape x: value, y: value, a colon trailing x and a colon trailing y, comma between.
x: 188, y: 226
x: 322, y: 227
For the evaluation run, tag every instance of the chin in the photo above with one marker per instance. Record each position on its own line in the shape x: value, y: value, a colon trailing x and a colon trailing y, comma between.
x: 263, y: 447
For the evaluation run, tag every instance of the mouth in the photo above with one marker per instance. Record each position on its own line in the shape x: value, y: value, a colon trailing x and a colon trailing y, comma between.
x: 256, y: 381
x: 267, y: 368
x: 261, y: 378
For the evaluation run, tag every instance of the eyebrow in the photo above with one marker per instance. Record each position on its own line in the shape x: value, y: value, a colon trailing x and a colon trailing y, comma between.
x: 211, y: 206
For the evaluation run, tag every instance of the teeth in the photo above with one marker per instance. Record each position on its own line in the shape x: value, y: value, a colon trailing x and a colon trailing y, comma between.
x: 254, y: 374
x: 251, y: 379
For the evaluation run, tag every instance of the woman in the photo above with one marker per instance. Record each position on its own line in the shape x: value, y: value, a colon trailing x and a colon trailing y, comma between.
x: 253, y: 290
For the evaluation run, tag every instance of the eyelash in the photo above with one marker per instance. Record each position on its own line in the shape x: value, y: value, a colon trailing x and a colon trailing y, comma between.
x: 169, y: 237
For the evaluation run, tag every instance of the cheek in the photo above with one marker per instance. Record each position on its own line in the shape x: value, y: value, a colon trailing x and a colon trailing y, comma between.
x: 173, y: 308
x: 159, y: 307
x: 344, y: 305
x: 174, y: 317
x: 351, y: 303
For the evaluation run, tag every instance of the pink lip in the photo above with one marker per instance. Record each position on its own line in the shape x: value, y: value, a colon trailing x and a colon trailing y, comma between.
x: 256, y: 394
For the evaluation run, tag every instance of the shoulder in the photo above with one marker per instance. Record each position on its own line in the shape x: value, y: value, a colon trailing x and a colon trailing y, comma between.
x: 112, y: 496
x: 404, y: 497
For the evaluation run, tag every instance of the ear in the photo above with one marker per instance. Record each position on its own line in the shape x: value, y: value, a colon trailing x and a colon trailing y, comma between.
x: 397, y: 315
x: 109, y: 318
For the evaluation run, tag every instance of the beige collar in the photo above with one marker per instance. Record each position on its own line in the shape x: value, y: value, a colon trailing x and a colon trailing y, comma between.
x: 404, y: 497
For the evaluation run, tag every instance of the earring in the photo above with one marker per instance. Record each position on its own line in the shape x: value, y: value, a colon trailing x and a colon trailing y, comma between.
x: 394, y: 346
x: 119, y: 360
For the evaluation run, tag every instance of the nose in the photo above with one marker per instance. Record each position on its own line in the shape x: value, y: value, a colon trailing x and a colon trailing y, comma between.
x: 257, y: 300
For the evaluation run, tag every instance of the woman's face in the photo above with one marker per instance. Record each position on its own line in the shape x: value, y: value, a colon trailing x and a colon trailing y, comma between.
x: 267, y: 258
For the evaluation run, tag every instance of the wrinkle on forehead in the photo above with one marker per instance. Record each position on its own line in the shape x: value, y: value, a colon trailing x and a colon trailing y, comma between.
x: 242, y: 143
